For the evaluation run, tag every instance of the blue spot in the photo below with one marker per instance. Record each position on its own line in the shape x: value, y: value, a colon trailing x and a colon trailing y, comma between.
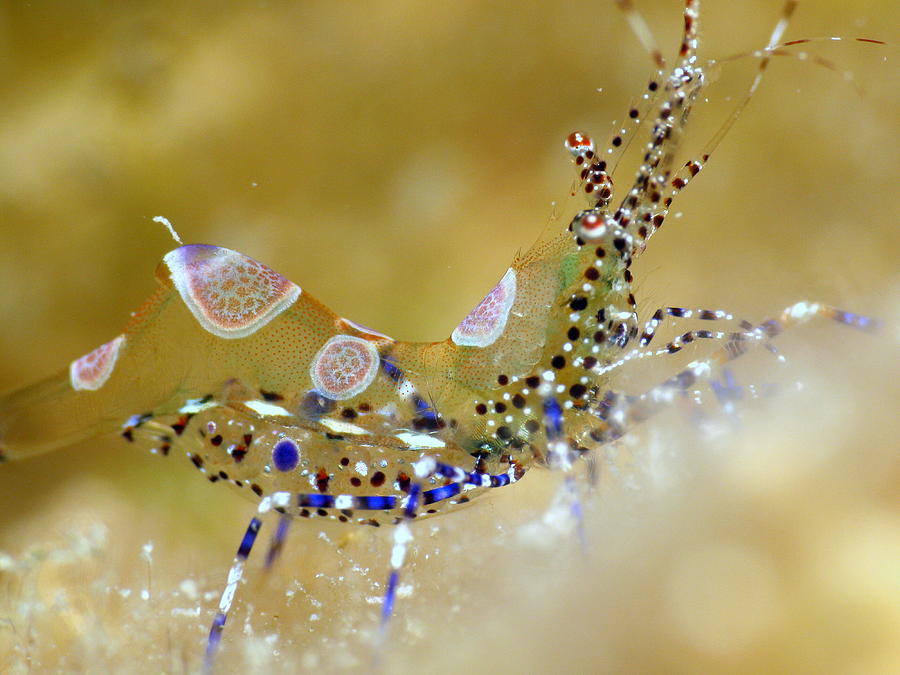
x: 427, y: 418
x: 391, y: 369
x: 286, y: 455
x: 553, y: 418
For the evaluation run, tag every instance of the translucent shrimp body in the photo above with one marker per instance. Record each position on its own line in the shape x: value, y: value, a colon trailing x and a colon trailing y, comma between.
x: 314, y: 415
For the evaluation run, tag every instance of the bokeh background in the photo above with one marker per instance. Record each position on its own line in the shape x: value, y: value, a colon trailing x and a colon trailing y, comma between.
x: 391, y: 157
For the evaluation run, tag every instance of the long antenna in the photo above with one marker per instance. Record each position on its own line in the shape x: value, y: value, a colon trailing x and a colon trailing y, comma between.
x: 642, y: 31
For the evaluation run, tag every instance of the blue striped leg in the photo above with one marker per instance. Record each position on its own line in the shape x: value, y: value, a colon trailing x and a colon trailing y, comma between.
x: 236, y: 573
x: 560, y: 456
x: 277, y: 542
x: 459, y: 479
x: 402, y: 537
x: 427, y: 468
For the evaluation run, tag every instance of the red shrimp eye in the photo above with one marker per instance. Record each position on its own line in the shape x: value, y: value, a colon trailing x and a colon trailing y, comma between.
x: 580, y: 145
x: 589, y: 224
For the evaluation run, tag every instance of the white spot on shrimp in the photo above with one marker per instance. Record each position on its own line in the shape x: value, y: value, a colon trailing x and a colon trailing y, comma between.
x: 266, y: 408
x: 194, y: 405
x: 341, y: 427
x: 420, y: 440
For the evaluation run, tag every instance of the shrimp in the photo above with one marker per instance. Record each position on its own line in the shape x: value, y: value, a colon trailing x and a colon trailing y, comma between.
x: 264, y: 388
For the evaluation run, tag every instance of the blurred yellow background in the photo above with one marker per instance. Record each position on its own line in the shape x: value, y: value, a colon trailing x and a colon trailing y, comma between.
x: 390, y: 157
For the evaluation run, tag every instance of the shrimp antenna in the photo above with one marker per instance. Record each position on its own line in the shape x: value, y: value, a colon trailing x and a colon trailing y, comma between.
x: 641, y: 31
x: 787, y: 49
x: 777, y: 33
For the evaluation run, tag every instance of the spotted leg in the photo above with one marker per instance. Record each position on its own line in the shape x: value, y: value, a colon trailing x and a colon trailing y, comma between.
x: 594, y: 165
x: 655, y: 181
x: 762, y: 334
x: 619, y: 412
x: 661, y: 314
x: 651, y: 216
x: 677, y: 344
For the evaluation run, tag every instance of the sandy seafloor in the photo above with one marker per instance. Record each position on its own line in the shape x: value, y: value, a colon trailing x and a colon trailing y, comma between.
x: 391, y: 158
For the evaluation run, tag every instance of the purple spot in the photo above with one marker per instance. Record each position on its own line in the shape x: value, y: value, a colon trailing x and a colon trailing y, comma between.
x: 285, y: 455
